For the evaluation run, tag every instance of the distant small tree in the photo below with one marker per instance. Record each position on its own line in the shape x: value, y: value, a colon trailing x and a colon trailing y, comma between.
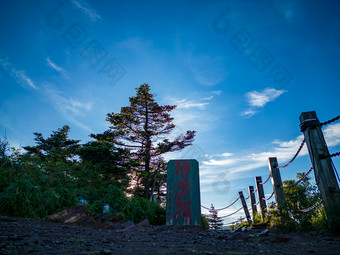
x: 215, y: 222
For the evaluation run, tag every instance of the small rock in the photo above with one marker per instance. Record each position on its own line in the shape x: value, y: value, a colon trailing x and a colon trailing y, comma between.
x: 105, y: 251
x: 240, y: 236
x: 283, y: 238
x: 264, y: 232
x: 144, y: 223
x: 127, y: 224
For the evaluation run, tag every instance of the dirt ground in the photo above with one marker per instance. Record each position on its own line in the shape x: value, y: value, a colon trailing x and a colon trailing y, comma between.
x: 38, y: 236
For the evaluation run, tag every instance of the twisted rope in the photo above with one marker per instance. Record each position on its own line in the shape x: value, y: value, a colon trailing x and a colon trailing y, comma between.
x: 330, y: 121
x: 205, y: 207
x: 334, y: 154
x: 296, y: 154
x: 268, y: 197
x: 309, y: 208
x: 228, y: 205
x: 265, y: 180
x: 302, y: 178
x: 232, y: 213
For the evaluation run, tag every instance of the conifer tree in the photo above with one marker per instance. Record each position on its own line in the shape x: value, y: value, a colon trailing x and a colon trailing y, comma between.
x: 215, y: 222
x: 142, y: 128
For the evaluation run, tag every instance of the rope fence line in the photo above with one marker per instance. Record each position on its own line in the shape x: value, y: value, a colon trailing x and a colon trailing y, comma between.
x: 228, y: 205
x: 329, y: 121
x: 301, y: 179
x: 309, y: 208
x: 296, y: 154
x: 223, y: 207
x: 231, y: 213
x: 268, y: 197
x: 275, y: 165
x: 265, y: 180
x: 334, y: 154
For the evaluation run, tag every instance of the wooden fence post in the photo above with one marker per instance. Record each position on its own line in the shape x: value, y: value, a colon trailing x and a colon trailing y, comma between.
x: 260, y: 196
x: 245, y: 207
x: 277, y: 183
x: 252, y: 201
x: 323, y: 169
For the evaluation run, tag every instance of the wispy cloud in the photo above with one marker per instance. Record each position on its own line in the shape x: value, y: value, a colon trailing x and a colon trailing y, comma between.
x: 19, y: 75
x: 284, y: 151
x: 85, y: 7
x: 71, y: 108
x: 59, y: 69
x: 288, y: 9
x: 187, y: 104
x: 217, y: 92
x: 258, y: 99
x: 207, y: 70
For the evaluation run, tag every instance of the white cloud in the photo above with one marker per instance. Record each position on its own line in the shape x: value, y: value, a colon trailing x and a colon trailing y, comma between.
x: 69, y: 107
x: 249, y: 113
x: 65, y: 104
x: 86, y: 9
x: 57, y: 68
x: 187, y: 104
x: 332, y: 135
x: 19, y: 75
x: 217, y: 92
x: 284, y: 151
x: 260, y: 99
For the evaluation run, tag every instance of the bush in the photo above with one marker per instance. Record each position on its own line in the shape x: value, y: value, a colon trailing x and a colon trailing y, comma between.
x: 139, y: 208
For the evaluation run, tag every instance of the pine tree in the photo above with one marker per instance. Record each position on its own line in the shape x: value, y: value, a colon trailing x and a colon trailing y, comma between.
x: 215, y: 222
x: 57, y: 147
x: 142, y: 128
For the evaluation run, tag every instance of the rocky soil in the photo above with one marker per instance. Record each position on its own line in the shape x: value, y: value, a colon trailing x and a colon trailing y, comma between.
x: 39, y: 236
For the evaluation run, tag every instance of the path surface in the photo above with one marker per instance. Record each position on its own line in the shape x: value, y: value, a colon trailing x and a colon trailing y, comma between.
x: 37, y: 236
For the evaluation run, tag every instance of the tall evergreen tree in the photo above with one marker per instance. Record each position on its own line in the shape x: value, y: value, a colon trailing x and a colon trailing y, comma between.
x: 142, y: 128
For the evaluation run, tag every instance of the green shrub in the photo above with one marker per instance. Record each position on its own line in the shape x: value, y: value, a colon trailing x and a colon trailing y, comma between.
x: 205, y: 223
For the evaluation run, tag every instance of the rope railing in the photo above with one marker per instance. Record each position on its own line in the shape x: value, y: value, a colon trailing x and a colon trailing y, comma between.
x: 232, y: 213
x: 269, y: 196
x: 231, y: 223
x: 205, y: 207
x: 309, y: 208
x: 228, y: 205
x: 254, y: 191
x: 265, y: 180
x: 296, y: 154
x: 334, y: 154
x: 329, y: 121
x: 223, y: 207
x: 300, y: 180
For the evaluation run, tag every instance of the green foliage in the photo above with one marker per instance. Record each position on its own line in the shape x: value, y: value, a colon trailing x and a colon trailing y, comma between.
x: 205, y: 223
x: 214, y: 221
x: 299, y: 197
x: 138, y: 209
x: 57, y: 147
x: 111, y: 195
x: 29, y: 192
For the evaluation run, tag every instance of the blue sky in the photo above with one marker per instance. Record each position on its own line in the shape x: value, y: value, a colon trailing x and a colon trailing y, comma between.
x: 241, y: 73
